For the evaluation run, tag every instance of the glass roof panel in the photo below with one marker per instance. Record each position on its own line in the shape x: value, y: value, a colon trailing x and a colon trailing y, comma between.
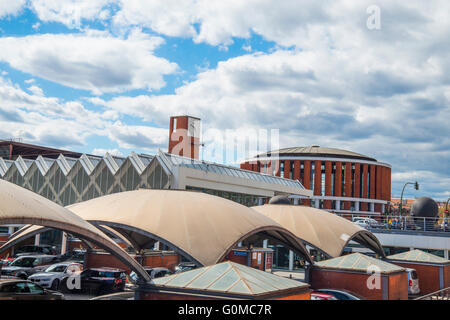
x: 209, y: 276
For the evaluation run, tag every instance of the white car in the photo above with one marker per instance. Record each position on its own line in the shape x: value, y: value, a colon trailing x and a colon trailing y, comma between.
x: 51, y: 277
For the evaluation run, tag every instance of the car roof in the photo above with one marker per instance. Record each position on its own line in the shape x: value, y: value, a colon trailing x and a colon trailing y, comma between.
x: 4, y: 281
x: 107, y: 269
x: 36, y: 256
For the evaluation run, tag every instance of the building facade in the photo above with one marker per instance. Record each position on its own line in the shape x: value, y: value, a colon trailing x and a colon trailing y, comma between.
x: 342, y: 181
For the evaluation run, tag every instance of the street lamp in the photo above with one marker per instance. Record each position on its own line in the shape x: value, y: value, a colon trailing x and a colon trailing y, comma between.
x: 446, y: 207
x: 416, y: 186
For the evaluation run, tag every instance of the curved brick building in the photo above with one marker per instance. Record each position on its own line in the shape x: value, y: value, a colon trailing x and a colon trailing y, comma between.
x: 342, y: 181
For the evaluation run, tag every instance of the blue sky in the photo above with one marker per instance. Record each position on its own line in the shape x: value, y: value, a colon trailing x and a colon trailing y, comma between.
x: 100, y: 76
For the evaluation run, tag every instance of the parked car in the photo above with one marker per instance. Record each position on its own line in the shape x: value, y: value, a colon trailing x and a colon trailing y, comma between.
x: 6, y: 261
x: 157, y: 272
x: 366, y: 222
x: 75, y: 255
x: 413, y: 281
x: 52, y: 276
x: 185, y: 266
x: 24, y: 266
x: 30, y: 250
x: 26, y: 290
x: 98, y: 281
x: 341, y: 294
x: 322, y: 296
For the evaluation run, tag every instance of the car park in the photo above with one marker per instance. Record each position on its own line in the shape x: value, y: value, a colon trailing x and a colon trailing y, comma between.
x: 341, y: 294
x: 97, y: 281
x: 26, y: 290
x: 52, y: 276
x: 24, y: 266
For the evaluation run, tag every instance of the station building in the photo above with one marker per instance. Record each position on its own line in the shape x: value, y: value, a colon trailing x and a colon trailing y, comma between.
x: 342, y: 181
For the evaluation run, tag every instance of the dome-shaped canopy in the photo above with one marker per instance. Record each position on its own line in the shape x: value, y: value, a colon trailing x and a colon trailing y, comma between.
x: 21, y: 206
x: 199, y: 226
x: 319, y: 228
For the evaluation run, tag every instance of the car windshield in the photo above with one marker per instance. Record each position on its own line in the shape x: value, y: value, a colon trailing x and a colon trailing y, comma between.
x: 24, y: 262
x: 56, y: 268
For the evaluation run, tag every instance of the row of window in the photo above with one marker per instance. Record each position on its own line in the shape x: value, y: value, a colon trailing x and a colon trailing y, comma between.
x: 263, y: 166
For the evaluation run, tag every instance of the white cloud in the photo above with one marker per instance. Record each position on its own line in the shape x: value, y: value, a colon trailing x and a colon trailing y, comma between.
x: 138, y: 137
x: 93, y: 61
x: 102, y: 152
x: 10, y: 7
x: 36, y: 91
x: 70, y: 12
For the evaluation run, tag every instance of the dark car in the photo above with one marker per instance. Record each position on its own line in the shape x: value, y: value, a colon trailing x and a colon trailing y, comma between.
x: 76, y: 255
x: 24, y: 266
x: 340, y: 294
x: 26, y: 290
x: 98, y: 281
x: 30, y: 250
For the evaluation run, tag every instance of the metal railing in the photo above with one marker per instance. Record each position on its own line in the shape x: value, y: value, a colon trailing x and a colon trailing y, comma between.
x: 399, y: 223
x: 443, y: 294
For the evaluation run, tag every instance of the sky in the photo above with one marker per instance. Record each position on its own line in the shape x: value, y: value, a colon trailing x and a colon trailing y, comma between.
x: 99, y: 76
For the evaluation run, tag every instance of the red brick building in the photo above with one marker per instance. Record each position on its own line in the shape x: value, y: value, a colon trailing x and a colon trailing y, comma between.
x: 342, y: 181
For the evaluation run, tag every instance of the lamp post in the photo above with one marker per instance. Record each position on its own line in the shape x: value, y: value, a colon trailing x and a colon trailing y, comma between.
x: 416, y: 186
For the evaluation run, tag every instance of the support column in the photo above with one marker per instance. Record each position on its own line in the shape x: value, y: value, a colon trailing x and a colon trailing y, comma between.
x: 64, y: 243
x: 356, y: 205
x: 37, y: 239
x: 260, y: 201
x: 265, y: 243
x: 338, y: 205
x: 317, y: 203
x: 372, y: 207
x: 295, y: 201
x: 446, y: 254
x: 156, y: 245
x: 291, y: 260
x: 382, y: 208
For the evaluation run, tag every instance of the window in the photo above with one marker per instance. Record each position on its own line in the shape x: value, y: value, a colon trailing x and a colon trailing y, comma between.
x: 34, y: 288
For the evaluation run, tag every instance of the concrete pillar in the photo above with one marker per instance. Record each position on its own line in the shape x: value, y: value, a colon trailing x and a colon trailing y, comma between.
x: 156, y: 245
x: 10, y: 230
x: 372, y: 207
x: 240, y: 244
x: 295, y: 201
x: 338, y: 205
x: 37, y: 239
x: 382, y: 208
x: 317, y: 203
x: 265, y: 242
x: 260, y: 202
x: 291, y: 260
x: 446, y: 254
x: 356, y: 205
x: 64, y: 243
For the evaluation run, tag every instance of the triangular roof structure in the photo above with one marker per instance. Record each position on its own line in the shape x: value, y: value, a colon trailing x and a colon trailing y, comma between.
x: 418, y: 256
x: 230, y: 278
x: 359, y: 262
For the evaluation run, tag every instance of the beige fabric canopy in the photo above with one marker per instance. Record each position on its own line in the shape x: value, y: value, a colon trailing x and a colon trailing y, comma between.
x: 319, y: 228
x: 21, y: 206
x: 199, y: 226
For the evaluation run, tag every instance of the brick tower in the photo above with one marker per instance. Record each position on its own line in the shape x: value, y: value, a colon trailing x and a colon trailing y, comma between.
x: 184, y: 136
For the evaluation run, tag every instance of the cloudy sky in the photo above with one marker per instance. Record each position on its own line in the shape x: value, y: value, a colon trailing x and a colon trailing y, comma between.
x: 100, y: 76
